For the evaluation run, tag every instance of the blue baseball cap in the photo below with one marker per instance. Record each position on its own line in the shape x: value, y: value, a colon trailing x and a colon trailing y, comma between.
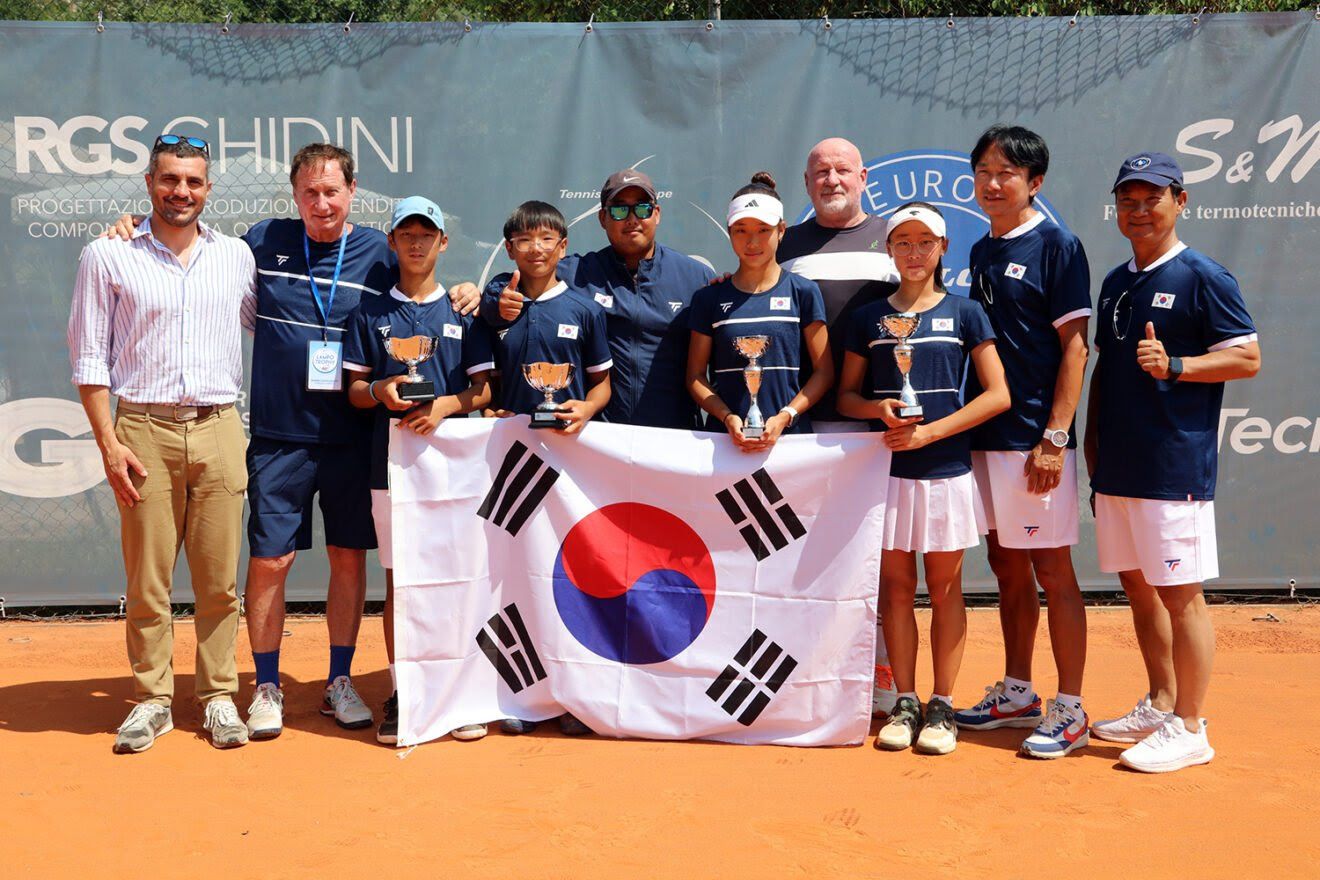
x: 417, y: 206
x: 1160, y: 169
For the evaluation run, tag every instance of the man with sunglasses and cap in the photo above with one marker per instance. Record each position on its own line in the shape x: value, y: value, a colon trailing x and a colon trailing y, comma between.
x: 157, y: 321
x: 1172, y: 329
x: 644, y: 289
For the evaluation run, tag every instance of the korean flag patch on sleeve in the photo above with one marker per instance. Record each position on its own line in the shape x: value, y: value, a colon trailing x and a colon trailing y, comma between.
x: 605, y: 300
x: 568, y: 331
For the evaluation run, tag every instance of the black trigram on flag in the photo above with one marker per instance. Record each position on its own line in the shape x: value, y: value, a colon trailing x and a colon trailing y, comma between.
x: 501, y: 505
x: 510, y: 650
x: 749, y: 675
x: 770, y: 515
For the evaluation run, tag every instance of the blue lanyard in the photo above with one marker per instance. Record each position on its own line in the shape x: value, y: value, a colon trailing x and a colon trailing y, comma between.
x: 326, y: 308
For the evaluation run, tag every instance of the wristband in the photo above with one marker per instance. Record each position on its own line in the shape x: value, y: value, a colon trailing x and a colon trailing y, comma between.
x: 1175, y: 368
x: 371, y: 389
x: 792, y: 414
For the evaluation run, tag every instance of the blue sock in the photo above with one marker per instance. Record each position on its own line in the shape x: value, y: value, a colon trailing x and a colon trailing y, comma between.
x: 268, y: 666
x: 341, y: 659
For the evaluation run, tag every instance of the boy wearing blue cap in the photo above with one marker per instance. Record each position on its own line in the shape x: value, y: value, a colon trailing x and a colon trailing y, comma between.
x: 458, y: 369
x: 1172, y: 329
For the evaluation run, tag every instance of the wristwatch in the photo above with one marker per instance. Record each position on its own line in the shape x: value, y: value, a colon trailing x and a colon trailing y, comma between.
x: 1175, y: 368
x: 1057, y: 438
x: 792, y: 414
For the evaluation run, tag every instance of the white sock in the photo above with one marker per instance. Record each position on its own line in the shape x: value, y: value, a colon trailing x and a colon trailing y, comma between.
x: 394, y: 682
x: 1019, y: 692
x: 1072, y: 702
x: 909, y: 694
x: 948, y: 701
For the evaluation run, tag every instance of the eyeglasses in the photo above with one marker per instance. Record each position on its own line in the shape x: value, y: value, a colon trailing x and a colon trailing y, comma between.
x: 904, y: 248
x: 1122, y: 315
x: 170, y: 140
x: 545, y: 243
x: 641, y: 210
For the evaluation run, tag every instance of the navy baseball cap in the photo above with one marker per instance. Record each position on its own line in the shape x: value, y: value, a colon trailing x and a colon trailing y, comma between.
x: 1160, y: 169
x: 417, y: 206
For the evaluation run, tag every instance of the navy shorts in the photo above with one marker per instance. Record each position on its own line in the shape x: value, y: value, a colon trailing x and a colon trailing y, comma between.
x: 283, y: 476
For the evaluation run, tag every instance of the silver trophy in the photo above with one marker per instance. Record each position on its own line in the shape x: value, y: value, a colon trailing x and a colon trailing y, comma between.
x: 753, y: 348
x: 413, y: 351
x: 902, y: 327
x: 547, y: 378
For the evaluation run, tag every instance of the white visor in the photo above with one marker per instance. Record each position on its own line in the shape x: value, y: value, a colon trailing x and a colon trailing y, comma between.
x: 759, y: 206
x: 925, y: 216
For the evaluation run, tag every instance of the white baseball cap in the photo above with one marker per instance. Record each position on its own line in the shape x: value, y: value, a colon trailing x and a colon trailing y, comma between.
x: 925, y: 216
x: 759, y: 206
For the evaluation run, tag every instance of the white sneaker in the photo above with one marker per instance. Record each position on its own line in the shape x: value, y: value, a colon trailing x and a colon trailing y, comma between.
x: 1133, y: 727
x: 345, y: 705
x: 468, y: 732
x: 227, y: 730
x: 266, y: 714
x: 883, y: 693
x: 1171, y: 747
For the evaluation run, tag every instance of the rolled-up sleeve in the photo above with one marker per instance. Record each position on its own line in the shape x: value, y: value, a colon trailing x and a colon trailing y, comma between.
x: 91, y: 320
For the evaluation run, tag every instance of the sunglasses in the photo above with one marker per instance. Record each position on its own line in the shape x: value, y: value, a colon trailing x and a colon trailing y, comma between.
x: 641, y: 210
x: 170, y: 140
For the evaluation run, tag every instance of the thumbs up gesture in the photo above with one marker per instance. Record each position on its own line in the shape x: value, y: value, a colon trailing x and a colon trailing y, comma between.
x: 1151, y: 355
x: 511, y: 301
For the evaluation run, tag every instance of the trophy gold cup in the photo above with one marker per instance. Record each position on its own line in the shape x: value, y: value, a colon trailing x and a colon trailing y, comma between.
x: 753, y: 348
x: 902, y: 326
x: 548, y: 379
x: 413, y: 351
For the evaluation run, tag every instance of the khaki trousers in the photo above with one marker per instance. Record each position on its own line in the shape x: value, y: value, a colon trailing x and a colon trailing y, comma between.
x: 192, y: 497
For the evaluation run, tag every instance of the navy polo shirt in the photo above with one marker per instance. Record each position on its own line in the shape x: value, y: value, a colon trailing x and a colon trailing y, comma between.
x: 723, y: 312
x: 1031, y: 281
x: 463, y: 348
x: 287, y: 320
x: 559, y: 327
x: 941, y: 358
x: 1160, y: 439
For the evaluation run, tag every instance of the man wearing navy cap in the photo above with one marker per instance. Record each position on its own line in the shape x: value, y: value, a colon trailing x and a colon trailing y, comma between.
x: 1172, y: 329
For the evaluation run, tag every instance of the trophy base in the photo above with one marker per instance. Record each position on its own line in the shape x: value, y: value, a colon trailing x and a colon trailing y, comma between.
x: 418, y: 392
x: 545, y: 418
x: 909, y: 412
x: 753, y: 432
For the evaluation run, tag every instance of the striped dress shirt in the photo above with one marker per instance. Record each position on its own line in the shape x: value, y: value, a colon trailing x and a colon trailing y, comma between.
x: 155, y: 331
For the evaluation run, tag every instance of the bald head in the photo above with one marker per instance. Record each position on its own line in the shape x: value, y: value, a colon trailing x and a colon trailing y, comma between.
x: 835, y: 178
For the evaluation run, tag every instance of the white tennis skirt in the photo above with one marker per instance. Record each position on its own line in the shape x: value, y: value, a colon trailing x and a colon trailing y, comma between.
x: 931, y: 516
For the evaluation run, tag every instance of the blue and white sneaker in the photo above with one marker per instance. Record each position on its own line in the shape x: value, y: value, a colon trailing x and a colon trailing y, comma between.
x: 996, y: 709
x: 1059, y: 734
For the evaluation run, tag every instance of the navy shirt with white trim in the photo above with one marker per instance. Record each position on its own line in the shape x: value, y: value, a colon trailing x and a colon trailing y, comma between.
x: 559, y: 327
x: 1031, y: 281
x: 723, y: 312
x: 463, y: 348
x: 1159, y: 439
x: 941, y: 360
x: 287, y: 319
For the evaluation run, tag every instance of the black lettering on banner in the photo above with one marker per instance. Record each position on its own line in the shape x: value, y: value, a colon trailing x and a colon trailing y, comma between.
x: 743, y: 678
x: 761, y: 517
x: 508, y: 646
x: 500, y: 504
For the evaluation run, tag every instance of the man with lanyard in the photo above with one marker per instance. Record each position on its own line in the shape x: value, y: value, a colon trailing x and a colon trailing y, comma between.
x: 1172, y: 330
x: 842, y: 249
x: 645, y: 290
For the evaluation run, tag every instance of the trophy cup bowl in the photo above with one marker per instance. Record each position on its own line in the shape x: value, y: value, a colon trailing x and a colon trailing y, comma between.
x: 413, y: 351
x: 753, y: 348
x: 548, y: 379
x: 902, y: 326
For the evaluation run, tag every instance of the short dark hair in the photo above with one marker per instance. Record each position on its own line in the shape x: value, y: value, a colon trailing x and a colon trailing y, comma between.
x: 534, y: 215
x: 1021, y: 146
x: 1176, y: 189
x: 182, y: 150
x: 762, y: 182
x: 319, y: 154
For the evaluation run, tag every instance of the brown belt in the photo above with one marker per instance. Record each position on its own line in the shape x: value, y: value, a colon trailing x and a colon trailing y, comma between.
x: 173, y: 412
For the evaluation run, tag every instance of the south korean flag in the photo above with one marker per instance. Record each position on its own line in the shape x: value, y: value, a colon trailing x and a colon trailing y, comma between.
x: 658, y: 584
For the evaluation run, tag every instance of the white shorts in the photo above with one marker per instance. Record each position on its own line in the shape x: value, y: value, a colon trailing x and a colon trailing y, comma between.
x: 1171, y: 542
x: 380, y: 512
x: 1024, y: 520
x: 925, y: 516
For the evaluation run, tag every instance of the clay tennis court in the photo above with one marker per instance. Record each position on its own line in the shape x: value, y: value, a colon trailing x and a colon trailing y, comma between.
x: 321, y: 802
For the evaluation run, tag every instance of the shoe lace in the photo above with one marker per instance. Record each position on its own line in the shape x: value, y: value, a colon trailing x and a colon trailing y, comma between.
x: 221, y: 713
x: 1165, y: 733
x: 1057, y: 718
x: 345, y: 693
x: 993, y: 696
x: 267, y: 693
x: 140, y: 714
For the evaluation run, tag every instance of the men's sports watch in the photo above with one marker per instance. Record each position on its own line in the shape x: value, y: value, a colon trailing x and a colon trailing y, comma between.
x: 1057, y: 438
x: 1175, y: 368
x: 791, y: 413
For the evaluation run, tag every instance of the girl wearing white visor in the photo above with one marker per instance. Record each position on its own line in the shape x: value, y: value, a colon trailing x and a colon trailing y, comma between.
x: 932, y: 506
x: 760, y: 311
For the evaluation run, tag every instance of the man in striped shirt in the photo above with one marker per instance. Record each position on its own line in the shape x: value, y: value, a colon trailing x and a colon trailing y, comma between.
x: 157, y: 322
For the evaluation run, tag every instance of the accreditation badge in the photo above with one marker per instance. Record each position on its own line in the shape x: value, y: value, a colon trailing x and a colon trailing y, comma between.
x: 325, y: 365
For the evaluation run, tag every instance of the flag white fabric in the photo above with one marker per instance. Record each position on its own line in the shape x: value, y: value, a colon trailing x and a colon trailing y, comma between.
x: 653, y: 583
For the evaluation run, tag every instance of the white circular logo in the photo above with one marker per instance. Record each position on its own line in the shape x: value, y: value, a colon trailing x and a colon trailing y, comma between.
x: 1140, y: 162
x: 324, y: 360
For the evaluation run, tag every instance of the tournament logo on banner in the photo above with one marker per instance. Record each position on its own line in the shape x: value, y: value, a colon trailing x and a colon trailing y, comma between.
x: 943, y: 178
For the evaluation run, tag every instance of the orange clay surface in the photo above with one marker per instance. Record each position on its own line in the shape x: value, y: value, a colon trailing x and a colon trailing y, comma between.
x: 323, y: 803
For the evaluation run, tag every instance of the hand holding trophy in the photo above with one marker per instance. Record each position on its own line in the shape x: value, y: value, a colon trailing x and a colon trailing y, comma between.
x: 548, y: 379
x: 753, y: 348
x: 413, y: 351
x: 902, y: 327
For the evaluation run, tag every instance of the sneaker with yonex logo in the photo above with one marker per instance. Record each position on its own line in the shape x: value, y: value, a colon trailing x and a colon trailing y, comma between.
x: 1141, y: 722
x: 900, y: 731
x: 227, y: 730
x: 939, y: 735
x: 266, y: 714
x: 1062, y: 732
x: 883, y: 693
x: 998, y: 709
x: 343, y: 702
x: 1171, y: 747
x: 144, y: 723
x: 388, y: 732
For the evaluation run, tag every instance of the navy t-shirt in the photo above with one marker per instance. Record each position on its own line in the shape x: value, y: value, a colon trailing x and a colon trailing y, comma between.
x: 723, y: 312
x: 287, y: 320
x: 941, y: 359
x: 1031, y: 281
x: 1159, y: 439
x: 463, y: 348
x: 559, y: 327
